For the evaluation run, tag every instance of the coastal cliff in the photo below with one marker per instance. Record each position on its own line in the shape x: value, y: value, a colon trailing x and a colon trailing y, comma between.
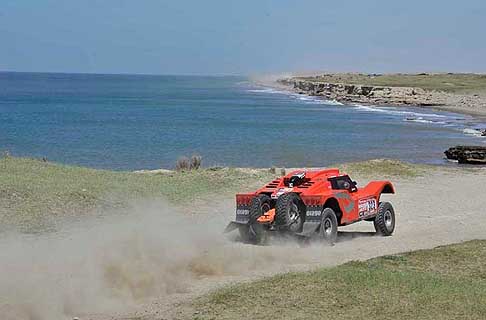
x: 461, y: 93
x: 365, y: 93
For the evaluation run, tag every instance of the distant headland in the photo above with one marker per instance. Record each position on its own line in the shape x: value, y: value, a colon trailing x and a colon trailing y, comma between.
x: 455, y: 92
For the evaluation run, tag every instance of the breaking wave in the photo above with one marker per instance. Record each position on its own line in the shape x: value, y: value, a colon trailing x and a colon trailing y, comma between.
x: 472, y: 132
x: 304, y: 98
x: 422, y: 120
x: 268, y: 90
x: 456, y: 121
x: 397, y: 111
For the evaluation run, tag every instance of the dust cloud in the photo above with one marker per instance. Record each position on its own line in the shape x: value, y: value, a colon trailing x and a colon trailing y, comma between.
x: 113, y: 263
x: 149, y: 254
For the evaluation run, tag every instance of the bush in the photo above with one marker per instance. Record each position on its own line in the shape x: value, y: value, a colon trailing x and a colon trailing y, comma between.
x: 195, y: 162
x: 183, y: 164
x: 186, y: 164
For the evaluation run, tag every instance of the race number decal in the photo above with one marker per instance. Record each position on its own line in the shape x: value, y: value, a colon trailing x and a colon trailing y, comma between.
x: 367, y: 207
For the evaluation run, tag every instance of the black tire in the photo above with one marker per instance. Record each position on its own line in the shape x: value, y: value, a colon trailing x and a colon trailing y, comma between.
x: 259, y: 205
x: 255, y: 233
x: 385, y: 219
x: 290, y: 212
x: 329, y: 226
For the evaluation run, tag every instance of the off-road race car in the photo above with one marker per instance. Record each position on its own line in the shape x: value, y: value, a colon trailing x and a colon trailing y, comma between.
x: 312, y: 204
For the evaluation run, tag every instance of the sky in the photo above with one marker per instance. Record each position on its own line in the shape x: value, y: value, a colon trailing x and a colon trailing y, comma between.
x: 242, y: 37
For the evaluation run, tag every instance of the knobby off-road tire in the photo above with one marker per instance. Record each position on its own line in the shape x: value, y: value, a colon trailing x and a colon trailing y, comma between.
x: 290, y: 212
x: 385, y: 219
x: 255, y: 232
x: 259, y: 205
x: 329, y: 225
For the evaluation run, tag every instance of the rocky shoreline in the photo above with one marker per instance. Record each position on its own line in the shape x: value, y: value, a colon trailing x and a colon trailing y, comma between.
x: 471, y: 104
x: 395, y: 95
x: 467, y: 154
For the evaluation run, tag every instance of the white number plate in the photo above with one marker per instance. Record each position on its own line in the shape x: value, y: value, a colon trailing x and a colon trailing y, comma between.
x: 313, y: 213
x: 242, y: 212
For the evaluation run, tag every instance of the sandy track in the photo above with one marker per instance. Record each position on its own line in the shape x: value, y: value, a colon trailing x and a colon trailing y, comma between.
x: 151, y: 263
x: 439, y: 209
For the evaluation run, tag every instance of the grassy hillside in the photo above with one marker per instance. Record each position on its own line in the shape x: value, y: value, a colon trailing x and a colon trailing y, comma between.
x: 444, y: 283
x: 384, y: 168
x: 456, y: 82
x: 32, y: 190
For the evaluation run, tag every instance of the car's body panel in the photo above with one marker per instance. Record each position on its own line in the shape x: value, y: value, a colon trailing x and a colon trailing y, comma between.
x: 319, y: 189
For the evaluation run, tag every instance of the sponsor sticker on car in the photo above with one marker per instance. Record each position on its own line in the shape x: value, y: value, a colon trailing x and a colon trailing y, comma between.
x: 367, y: 207
x: 313, y: 213
x: 242, y: 212
x: 242, y: 215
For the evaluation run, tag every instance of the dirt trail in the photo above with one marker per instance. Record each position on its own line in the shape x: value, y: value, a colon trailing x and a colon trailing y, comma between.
x: 438, y: 209
x: 152, y: 261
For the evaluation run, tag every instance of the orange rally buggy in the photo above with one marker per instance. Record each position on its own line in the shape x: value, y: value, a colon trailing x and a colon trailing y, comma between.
x: 312, y: 203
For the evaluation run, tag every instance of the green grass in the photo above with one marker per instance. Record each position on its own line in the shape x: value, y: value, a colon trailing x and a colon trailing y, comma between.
x: 34, y: 192
x: 384, y: 168
x: 443, y: 283
x: 31, y: 190
x: 457, y: 83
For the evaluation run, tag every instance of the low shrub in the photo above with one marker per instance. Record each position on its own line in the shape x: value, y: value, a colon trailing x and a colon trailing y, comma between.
x: 195, y: 162
x: 186, y: 164
x: 183, y: 164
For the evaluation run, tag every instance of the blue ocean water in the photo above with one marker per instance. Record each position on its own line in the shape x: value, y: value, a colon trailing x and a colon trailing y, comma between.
x: 130, y: 122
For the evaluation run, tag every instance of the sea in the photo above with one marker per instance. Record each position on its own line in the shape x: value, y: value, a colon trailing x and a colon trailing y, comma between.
x: 131, y: 122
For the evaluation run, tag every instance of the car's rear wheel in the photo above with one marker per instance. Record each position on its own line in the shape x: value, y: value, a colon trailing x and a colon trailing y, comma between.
x: 385, y: 219
x: 255, y: 232
x: 290, y: 212
x: 329, y: 225
x: 259, y: 205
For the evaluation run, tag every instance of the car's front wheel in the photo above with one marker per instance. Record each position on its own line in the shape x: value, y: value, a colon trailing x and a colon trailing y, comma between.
x: 385, y: 219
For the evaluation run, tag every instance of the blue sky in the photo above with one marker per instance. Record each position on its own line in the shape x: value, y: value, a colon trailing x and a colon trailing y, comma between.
x: 242, y: 37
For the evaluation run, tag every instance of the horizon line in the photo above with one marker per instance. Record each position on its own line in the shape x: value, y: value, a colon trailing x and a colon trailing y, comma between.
x: 131, y: 74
